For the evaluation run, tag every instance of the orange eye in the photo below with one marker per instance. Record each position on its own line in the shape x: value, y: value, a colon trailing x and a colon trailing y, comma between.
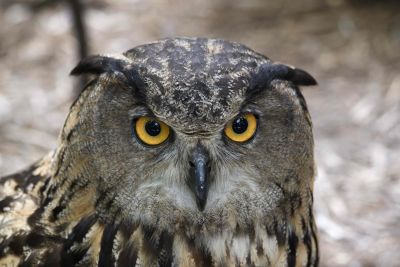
x: 242, y: 128
x: 151, y: 131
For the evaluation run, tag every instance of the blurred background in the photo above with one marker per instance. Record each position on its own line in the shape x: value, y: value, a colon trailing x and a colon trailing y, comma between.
x: 351, y: 47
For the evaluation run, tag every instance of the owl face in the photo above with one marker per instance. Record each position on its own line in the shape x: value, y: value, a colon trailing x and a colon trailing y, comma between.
x: 188, y: 133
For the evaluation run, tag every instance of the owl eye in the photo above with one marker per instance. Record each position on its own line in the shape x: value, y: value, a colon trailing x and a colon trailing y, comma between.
x: 151, y: 131
x: 242, y: 128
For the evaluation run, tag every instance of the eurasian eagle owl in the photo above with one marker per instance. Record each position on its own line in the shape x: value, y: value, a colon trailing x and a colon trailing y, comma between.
x: 181, y: 152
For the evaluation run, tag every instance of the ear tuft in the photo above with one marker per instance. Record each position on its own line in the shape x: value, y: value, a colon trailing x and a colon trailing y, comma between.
x: 301, y: 77
x: 269, y: 72
x: 98, y: 64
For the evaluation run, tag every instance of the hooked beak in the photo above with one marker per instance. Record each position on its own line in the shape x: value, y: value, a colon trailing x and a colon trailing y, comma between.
x: 199, y: 175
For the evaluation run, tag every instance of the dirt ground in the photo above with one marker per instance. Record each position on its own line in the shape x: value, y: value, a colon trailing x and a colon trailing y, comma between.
x: 351, y: 47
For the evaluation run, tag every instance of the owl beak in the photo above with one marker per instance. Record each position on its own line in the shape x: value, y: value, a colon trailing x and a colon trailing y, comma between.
x: 199, y: 174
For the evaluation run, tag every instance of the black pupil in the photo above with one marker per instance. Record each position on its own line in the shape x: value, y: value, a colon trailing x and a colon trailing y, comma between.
x: 240, y: 125
x: 153, y: 128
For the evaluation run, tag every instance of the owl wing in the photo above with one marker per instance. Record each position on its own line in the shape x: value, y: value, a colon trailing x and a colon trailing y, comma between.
x: 20, y: 196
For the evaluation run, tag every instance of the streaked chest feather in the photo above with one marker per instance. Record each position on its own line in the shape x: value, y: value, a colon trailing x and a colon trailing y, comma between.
x: 125, y: 245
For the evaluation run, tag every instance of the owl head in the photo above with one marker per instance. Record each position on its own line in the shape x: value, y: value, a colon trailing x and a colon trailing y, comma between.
x: 190, y: 133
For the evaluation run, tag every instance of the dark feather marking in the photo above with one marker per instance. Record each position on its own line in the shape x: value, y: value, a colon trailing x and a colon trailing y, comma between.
x: 128, y: 254
x: 52, y: 257
x: 55, y: 212
x: 63, y: 202
x: 280, y: 234
x: 193, y: 249
x: 260, y: 251
x: 279, y: 186
x: 5, y: 202
x: 259, y: 248
x: 205, y: 257
x: 80, y: 230
x: 293, y: 242
x: 37, y: 240
x: 201, y: 255
x: 252, y: 233
x: 35, y: 216
x: 306, y: 241
x: 279, y: 231
x: 248, y: 261
x: 110, y: 202
x: 127, y: 228
x: 14, y: 243
x: 69, y: 134
x: 44, y: 187
x: 150, y: 240
x: 105, y: 199
x: 165, y: 250
x: 69, y: 258
x: 60, y: 227
x: 30, y: 180
x: 24, y: 179
x: 49, y: 195
x: 28, y: 262
x: 314, y: 236
x: 295, y: 202
x: 38, y: 236
x: 3, y: 246
x: 101, y: 197
x: 106, y: 257
x: 64, y: 169
x: 278, y: 228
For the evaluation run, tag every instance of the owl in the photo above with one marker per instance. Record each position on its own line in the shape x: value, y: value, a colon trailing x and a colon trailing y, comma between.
x: 181, y: 152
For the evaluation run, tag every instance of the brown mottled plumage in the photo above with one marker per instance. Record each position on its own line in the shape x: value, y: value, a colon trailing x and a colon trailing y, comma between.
x: 104, y: 198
